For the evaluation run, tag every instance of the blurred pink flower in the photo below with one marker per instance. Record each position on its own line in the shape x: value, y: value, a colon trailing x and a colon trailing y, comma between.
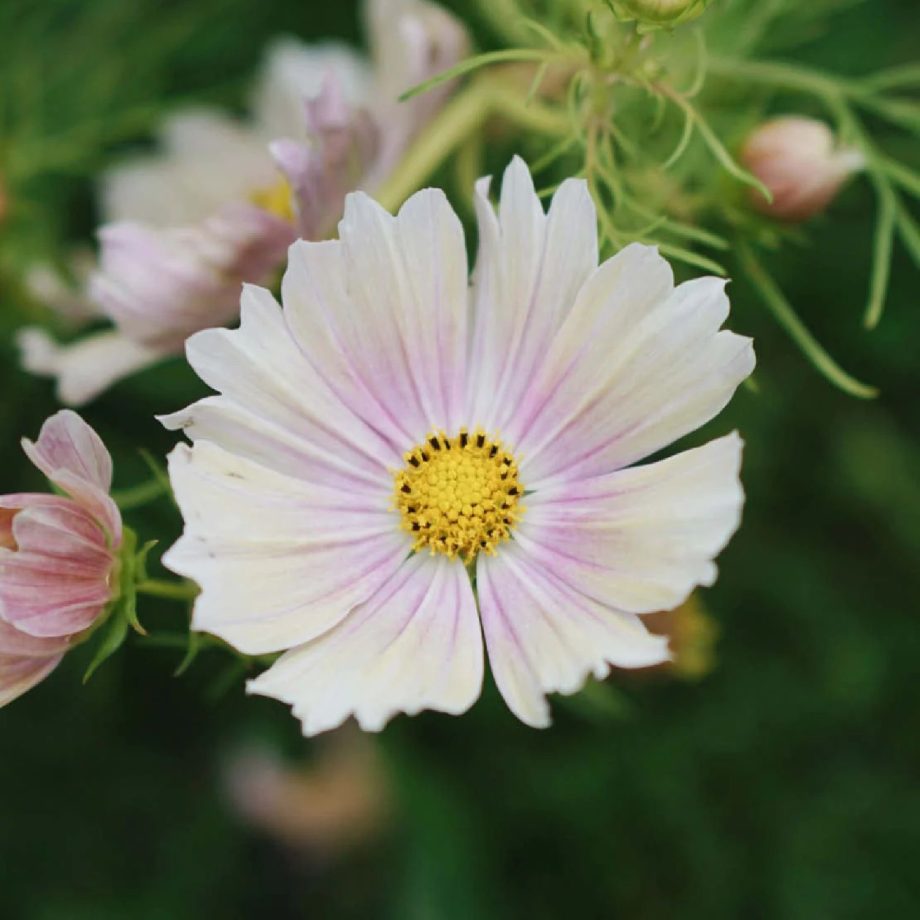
x: 58, y: 553
x: 798, y: 160
x: 185, y: 227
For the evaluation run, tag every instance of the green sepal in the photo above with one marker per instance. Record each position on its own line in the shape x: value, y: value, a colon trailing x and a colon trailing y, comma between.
x: 191, y: 653
x: 116, y: 630
x: 121, y: 613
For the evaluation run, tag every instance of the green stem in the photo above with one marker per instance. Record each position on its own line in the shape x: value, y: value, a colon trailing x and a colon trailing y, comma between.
x: 786, y: 316
x: 139, y: 495
x: 461, y: 117
x: 782, y: 75
x: 175, y: 590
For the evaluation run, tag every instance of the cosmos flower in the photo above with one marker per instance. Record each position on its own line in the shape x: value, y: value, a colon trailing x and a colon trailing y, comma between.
x: 799, y: 161
x: 58, y: 553
x: 221, y: 201
x: 392, y: 434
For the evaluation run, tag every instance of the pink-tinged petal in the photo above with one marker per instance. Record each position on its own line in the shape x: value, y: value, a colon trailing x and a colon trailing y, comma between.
x: 25, y: 661
x: 411, y: 41
x: 334, y: 339
x: 87, y: 367
x: 643, y: 538
x: 635, y: 366
x: 295, y: 72
x: 407, y: 278
x: 65, y: 531
x: 529, y: 269
x: 381, y: 314
x: 19, y: 675
x: 279, y: 560
x: 58, y: 579
x: 290, y: 422
x: 206, y: 159
x: 545, y: 636
x: 17, y: 644
x: 414, y: 645
x: 74, y: 458
x: 160, y: 286
x: 342, y: 145
x: 64, y: 292
x: 66, y: 442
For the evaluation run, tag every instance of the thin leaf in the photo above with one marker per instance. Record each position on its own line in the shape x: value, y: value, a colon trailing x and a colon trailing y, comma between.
x: 685, y: 136
x: 785, y: 315
x: 536, y: 83
x: 689, y: 257
x: 894, y: 77
x: 899, y: 173
x: 727, y: 161
x: 881, y: 254
x: 909, y: 233
x: 538, y: 28
x: 475, y: 63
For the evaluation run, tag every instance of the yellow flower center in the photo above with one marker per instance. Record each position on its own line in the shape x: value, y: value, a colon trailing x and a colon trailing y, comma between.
x: 276, y: 199
x: 459, y: 496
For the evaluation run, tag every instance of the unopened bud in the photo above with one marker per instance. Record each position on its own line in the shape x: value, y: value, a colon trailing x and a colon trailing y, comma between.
x: 660, y: 12
x: 798, y: 160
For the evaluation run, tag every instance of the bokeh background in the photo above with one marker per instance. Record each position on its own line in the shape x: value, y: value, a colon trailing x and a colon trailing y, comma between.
x: 784, y: 783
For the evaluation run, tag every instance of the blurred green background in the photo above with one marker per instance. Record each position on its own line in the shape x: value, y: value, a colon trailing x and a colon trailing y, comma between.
x: 784, y: 784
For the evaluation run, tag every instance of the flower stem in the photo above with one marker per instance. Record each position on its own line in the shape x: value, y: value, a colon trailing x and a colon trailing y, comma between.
x: 782, y: 310
x: 460, y: 118
x: 176, y: 590
x: 139, y: 495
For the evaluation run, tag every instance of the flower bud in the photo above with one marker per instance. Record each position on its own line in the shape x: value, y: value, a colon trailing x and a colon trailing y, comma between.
x: 798, y: 161
x: 58, y: 553
x: 660, y: 12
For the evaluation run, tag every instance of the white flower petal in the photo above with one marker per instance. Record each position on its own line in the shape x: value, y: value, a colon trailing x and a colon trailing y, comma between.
x: 275, y: 409
x: 529, y: 269
x: 161, y: 286
x: 545, y: 636
x: 639, y: 539
x: 207, y: 159
x: 85, y: 368
x: 294, y: 72
x: 408, y: 279
x: 279, y: 560
x: 635, y: 366
x: 414, y: 645
x: 381, y: 314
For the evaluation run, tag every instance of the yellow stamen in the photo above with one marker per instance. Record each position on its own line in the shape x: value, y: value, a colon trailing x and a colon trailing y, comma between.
x: 459, y: 495
x: 276, y: 199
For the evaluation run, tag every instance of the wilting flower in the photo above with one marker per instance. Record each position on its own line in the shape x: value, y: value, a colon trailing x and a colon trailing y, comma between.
x: 799, y: 161
x: 58, y: 553
x: 187, y: 226
x: 391, y: 433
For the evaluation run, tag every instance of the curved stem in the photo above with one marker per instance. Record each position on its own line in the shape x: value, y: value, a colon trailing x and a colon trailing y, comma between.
x: 461, y: 117
x: 786, y: 316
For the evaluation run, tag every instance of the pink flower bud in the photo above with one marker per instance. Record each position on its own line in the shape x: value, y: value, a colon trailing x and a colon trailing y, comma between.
x: 797, y: 160
x: 58, y: 553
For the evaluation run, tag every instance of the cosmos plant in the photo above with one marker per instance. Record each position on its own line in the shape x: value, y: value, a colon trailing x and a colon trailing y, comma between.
x: 411, y: 470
